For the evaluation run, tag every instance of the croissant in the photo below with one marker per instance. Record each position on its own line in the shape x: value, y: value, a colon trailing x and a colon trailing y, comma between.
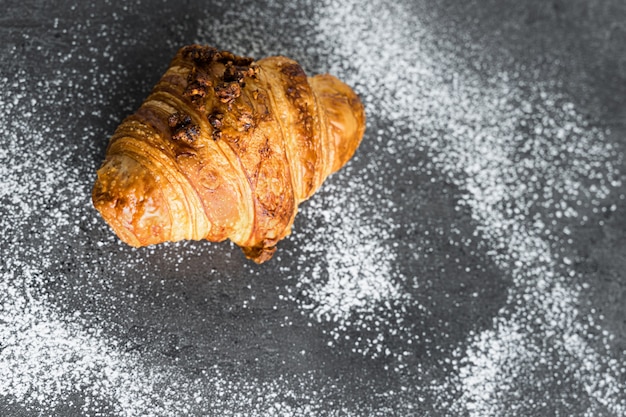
x: 226, y: 147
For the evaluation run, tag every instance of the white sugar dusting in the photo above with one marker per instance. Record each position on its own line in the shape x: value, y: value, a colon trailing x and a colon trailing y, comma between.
x: 350, y: 249
x: 353, y: 282
x: 47, y: 356
x: 54, y: 361
x: 511, y: 151
x: 528, y: 167
x: 352, y: 243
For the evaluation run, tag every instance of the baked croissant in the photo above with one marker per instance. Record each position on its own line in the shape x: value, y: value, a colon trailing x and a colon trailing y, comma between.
x: 226, y: 147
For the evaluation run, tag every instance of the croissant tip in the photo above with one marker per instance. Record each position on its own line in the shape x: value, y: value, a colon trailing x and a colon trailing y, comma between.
x: 126, y: 197
x: 259, y: 254
x: 346, y: 115
x: 106, y: 206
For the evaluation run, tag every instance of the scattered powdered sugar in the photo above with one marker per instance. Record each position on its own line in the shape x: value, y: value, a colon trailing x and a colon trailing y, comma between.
x: 346, y: 271
x: 515, y: 149
x: 526, y: 169
x: 48, y: 356
x: 349, y: 249
x: 53, y: 359
x: 528, y: 165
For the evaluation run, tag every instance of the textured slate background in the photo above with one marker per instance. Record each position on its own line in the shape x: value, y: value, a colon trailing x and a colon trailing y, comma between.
x: 188, y: 314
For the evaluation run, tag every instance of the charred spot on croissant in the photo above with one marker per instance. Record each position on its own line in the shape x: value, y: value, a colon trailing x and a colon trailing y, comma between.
x: 215, y: 119
x: 182, y: 128
x: 246, y: 121
x: 293, y: 70
x: 226, y: 57
x: 187, y: 134
x: 177, y: 120
x: 227, y: 92
x: 199, y: 53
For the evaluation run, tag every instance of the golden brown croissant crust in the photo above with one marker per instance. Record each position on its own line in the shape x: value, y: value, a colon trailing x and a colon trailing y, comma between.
x: 226, y: 147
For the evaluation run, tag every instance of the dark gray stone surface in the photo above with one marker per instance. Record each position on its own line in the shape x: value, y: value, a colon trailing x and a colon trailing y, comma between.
x: 180, y: 311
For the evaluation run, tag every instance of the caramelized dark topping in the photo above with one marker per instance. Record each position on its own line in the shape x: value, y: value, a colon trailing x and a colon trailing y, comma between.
x: 233, y: 73
x: 246, y: 121
x: 227, y: 92
x: 182, y: 128
x: 187, y: 134
x: 198, y: 84
x: 237, y: 73
x: 202, y: 55
x: 201, y: 85
x: 293, y: 70
x: 199, y: 54
x: 215, y: 120
x: 224, y: 57
x: 177, y: 120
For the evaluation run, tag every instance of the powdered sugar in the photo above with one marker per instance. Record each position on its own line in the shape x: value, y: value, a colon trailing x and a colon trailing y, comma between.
x: 506, y: 175
x: 473, y: 176
x: 526, y: 161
